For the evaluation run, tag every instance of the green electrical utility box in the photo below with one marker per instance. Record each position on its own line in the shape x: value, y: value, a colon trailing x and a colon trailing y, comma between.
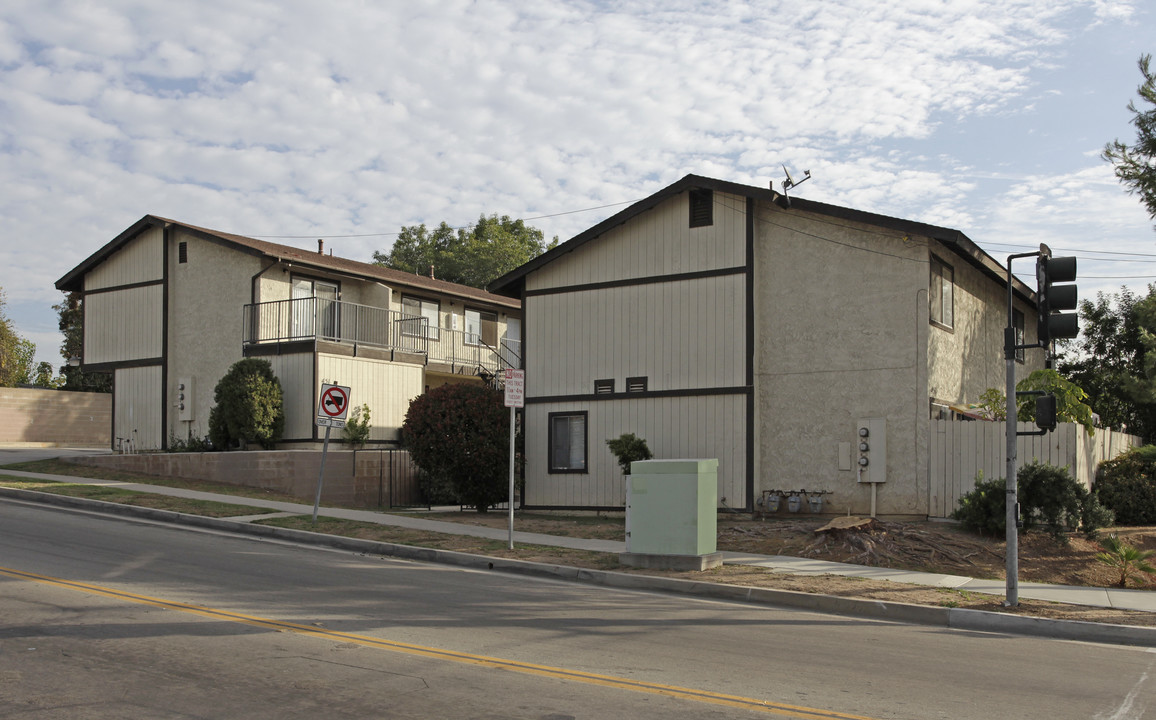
x: 672, y: 508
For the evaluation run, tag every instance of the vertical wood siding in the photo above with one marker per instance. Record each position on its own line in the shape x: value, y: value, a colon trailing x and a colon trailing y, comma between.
x: 678, y: 427
x: 137, y: 407
x: 140, y: 260
x: 687, y: 334
x: 959, y: 451
x: 123, y: 325
x: 658, y: 242
x: 298, y: 393
x: 388, y: 388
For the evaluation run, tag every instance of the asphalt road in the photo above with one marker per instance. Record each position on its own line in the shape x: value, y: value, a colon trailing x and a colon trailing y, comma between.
x: 105, y: 617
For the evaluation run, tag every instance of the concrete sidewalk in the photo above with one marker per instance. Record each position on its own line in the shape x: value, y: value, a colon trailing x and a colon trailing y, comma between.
x: 1142, y: 600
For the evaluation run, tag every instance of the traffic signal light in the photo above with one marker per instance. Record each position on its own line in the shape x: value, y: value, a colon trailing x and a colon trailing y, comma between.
x: 1054, y: 292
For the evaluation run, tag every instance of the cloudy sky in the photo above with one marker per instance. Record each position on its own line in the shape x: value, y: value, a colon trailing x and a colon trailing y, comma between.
x: 347, y: 119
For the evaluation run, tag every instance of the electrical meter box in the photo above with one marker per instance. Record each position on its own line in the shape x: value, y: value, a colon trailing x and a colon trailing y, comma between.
x: 671, y: 507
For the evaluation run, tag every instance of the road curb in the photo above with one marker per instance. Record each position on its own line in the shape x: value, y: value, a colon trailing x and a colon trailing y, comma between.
x: 949, y: 618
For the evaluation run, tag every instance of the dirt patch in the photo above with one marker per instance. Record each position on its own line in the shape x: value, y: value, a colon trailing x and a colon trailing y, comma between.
x: 921, y: 546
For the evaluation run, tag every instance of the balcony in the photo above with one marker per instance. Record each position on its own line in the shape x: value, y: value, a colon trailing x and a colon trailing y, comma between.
x: 315, y: 319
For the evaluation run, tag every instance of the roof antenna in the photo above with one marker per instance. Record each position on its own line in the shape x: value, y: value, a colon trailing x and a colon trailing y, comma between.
x: 790, y: 183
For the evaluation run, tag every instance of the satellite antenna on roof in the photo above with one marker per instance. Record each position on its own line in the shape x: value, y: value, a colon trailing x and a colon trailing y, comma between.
x: 790, y: 182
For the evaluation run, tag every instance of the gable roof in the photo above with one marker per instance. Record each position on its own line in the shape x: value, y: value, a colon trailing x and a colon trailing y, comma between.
x: 955, y: 240
x: 74, y: 279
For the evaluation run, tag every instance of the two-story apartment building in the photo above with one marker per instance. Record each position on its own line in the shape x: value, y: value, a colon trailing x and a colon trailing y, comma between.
x: 720, y: 320
x: 169, y: 307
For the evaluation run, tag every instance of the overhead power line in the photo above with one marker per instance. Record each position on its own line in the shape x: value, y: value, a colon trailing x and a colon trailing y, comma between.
x: 463, y: 227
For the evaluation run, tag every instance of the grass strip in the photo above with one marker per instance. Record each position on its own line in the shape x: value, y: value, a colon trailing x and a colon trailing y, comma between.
x: 204, y: 508
x: 63, y: 467
x: 444, y: 541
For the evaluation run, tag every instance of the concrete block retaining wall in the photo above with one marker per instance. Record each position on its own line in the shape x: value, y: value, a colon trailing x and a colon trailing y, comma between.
x: 352, y: 478
x: 36, y: 416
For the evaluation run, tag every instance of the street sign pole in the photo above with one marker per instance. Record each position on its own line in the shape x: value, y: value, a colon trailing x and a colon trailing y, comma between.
x: 512, y: 411
x: 515, y: 397
x: 321, y: 474
x: 332, y: 410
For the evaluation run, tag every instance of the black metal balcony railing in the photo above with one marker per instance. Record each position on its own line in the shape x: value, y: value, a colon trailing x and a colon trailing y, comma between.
x: 343, y: 322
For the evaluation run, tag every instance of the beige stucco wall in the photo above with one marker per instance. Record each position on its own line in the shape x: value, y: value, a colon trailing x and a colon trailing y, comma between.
x: 841, y: 317
x: 206, y: 298
x: 967, y: 359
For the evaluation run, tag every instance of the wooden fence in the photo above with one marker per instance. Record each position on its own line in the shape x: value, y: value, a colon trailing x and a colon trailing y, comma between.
x: 959, y: 451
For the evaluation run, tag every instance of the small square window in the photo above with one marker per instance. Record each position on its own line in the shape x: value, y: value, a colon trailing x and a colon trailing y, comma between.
x: 567, y: 451
x: 636, y: 384
x: 701, y: 208
x: 604, y: 387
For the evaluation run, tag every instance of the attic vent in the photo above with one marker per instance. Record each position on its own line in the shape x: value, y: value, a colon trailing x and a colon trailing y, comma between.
x: 182, y: 252
x: 636, y: 384
x: 604, y: 387
x: 701, y: 208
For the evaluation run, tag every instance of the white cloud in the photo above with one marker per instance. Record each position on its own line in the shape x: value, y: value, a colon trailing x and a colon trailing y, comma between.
x: 299, y: 118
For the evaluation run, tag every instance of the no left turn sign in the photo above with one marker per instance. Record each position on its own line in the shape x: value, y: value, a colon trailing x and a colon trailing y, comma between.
x: 333, y: 407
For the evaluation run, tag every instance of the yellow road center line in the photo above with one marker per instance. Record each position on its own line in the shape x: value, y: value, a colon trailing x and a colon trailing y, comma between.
x: 443, y: 654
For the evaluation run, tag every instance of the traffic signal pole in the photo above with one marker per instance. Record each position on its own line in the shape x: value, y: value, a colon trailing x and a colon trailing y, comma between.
x: 1012, y: 555
x: 1049, y: 326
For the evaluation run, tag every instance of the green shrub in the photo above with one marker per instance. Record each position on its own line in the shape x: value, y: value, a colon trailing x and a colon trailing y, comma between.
x: 193, y: 444
x: 1050, y: 498
x: 460, y: 432
x: 1127, y: 485
x: 984, y: 509
x: 628, y: 448
x: 357, y: 427
x: 249, y: 406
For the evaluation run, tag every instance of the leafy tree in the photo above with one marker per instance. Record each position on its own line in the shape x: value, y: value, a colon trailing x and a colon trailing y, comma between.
x: 249, y: 406
x: 1136, y: 164
x: 17, y: 355
x: 474, y: 255
x: 1109, y: 360
x: 1070, y: 399
x: 44, y: 376
x: 459, y: 433
x: 71, y: 312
